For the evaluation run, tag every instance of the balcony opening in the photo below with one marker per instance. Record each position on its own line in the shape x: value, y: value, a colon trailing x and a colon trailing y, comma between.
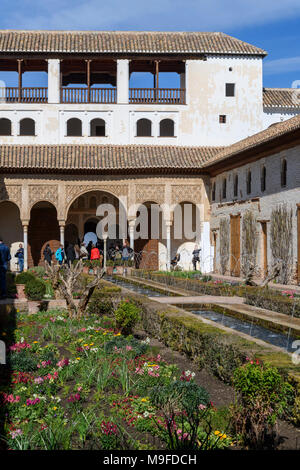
x: 74, y: 127
x: 157, y: 81
x: 27, y: 126
x: 88, y: 81
x: 97, y: 128
x: 24, y: 80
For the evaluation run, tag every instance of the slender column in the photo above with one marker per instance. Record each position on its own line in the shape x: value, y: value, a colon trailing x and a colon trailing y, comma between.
x: 25, y: 243
x: 122, y: 81
x: 131, y: 233
x: 62, y: 233
x: 54, y: 81
x: 168, y: 234
x: 104, y: 251
x: 20, y: 61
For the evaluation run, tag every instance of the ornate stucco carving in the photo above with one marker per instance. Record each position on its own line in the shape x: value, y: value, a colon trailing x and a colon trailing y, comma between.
x: 11, y: 193
x: 188, y: 193
x: 74, y: 190
x: 39, y: 192
x: 150, y: 192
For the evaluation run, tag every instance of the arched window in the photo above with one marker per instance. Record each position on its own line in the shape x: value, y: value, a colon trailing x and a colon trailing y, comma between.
x: 224, y: 188
x: 5, y: 126
x: 27, y: 126
x: 236, y: 185
x: 74, y: 127
x: 283, y: 172
x: 166, y: 128
x: 143, y: 128
x: 263, y: 178
x: 249, y: 177
x: 97, y: 128
x: 213, y: 191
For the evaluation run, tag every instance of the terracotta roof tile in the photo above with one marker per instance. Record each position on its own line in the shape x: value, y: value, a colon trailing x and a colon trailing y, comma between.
x: 124, y: 42
x: 281, y: 98
x: 253, y: 142
x: 103, y: 157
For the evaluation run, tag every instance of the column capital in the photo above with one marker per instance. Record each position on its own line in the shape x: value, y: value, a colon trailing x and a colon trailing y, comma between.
x: 61, y: 223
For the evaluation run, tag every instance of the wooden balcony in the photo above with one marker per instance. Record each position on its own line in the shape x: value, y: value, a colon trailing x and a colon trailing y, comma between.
x: 88, y: 95
x: 157, y: 95
x: 24, y: 95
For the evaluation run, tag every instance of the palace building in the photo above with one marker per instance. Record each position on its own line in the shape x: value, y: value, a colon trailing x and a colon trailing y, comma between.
x: 93, y: 135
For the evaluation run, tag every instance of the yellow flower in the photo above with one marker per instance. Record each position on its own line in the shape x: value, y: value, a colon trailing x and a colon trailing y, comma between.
x: 105, y: 333
x: 91, y: 344
x: 78, y: 358
x: 217, y: 433
x: 85, y: 345
x: 223, y: 436
x: 55, y: 408
x: 35, y: 342
x: 144, y: 399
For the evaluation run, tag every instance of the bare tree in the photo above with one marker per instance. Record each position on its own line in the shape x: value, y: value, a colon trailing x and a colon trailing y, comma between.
x: 282, y: 241
x: 224, y: 244
x: 64, y: 279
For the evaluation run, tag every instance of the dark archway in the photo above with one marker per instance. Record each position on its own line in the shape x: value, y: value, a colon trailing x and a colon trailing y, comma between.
x: 43, y: 228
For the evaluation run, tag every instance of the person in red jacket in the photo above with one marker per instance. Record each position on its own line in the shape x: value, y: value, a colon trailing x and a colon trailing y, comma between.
x: 95, y: 253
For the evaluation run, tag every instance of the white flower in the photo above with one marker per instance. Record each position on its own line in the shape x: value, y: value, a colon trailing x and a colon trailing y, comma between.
x: 94, y: 349
x: 146, y: 414
x: 22, y: 340
x: 193, y: 374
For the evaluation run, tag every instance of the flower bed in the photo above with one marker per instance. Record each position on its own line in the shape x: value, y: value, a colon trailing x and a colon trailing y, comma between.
x: 81, y: 384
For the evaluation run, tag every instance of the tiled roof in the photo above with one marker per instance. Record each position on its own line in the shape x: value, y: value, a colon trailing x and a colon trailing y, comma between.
x: 124, y: 42
x: 281, y: 98
x: 115, y: 158
x: 270, y: 134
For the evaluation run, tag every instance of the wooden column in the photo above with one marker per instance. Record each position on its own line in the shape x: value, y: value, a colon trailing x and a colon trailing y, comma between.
x: 19, y: 79
x: 298, y: 243
x: 88, y: 78
x: 156, y: 79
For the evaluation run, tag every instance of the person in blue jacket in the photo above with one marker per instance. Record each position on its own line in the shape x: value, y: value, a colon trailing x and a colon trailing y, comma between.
x: 20, y: 255
x: 4, y: 260
x: 60, y: 254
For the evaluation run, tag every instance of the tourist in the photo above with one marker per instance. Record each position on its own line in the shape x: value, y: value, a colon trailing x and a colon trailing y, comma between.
x: 77, y: 251
x: 125, y: 252
x: 20, y: 255
x: 4, y: 259
x: 95, y: 254
x: 60, y: 255
x: 70, y: 254
x: 84, y: 254
x: 196, y: 257
x: 89, y: 249
x: 48, y: 254
x: 175, y: 260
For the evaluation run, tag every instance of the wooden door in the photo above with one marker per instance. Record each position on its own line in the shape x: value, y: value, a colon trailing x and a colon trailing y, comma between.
x: 235, y: 241
x: 264, y: 249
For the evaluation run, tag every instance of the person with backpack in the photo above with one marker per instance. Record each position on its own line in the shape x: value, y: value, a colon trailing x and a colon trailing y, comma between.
x: 4, y: 260
x: 48, y: 254
x: 196, y: 257
x: 20, y: 255
x: 60, y: 255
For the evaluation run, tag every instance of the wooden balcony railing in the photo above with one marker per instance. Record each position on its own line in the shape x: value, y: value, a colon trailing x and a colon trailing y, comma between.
x: 24, y: 95
x: 85, y: 95
x: 157, y: 95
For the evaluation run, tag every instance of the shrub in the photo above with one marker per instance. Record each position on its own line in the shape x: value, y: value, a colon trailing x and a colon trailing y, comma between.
x: 263, y: 396
x: 24, y: 277
x: 100, y: 305
x: 37, y: 271
x: 35, y: 289
x: 127, y: 315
